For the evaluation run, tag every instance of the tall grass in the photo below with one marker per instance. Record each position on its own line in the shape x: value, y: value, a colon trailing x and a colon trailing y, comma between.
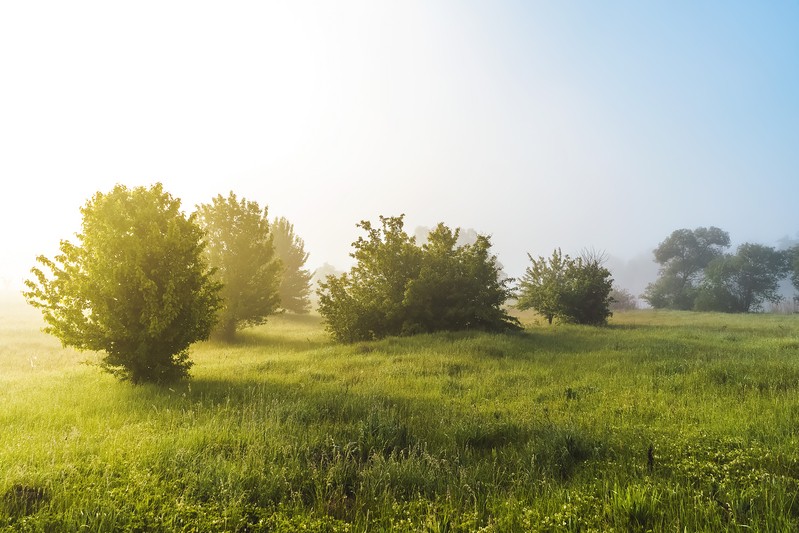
x: 662, y: 421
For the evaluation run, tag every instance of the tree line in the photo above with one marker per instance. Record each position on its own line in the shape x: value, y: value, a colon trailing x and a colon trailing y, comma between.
x: 144, y: 281
x: 697, y: 273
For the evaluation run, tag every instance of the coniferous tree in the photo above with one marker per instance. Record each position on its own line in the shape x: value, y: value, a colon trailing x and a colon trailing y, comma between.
x: 241, y: 249
x: 295, y: 283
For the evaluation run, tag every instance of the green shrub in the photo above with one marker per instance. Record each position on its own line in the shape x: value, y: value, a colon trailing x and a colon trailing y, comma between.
x: 399, y: 288
x: 135, y: 286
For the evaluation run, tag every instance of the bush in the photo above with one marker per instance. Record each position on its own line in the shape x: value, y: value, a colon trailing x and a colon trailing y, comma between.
x: 573, y: 290
x: 136, y: 285
x: 399, y: 288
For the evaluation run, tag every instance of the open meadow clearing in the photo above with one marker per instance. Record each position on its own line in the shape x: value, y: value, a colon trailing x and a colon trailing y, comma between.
x: 663, y: 421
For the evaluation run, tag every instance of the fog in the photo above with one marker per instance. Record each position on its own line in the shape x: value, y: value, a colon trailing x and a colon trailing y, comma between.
x: 581, y: 125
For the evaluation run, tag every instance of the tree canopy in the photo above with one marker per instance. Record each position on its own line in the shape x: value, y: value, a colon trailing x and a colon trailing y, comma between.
x: 397, y: 287
x: 459, y: 286
x: 241, y: 250
x: 683, y: 257
x: 135, y: 285
x: 573, y: 290
x: 742, y: 282
x: 792, y: 257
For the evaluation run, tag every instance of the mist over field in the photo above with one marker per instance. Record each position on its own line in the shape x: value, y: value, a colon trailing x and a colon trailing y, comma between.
x: 593, y: 125
x: 381, y: 266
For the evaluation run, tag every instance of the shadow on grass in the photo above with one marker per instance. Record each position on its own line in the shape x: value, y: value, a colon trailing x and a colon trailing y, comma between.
x: 384, y: 423
x: 272, y: 339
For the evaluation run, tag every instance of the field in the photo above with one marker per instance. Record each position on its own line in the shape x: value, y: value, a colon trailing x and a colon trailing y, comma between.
x: 662, y: 421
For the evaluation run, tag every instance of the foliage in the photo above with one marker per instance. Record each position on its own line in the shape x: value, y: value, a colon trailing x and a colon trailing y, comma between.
x: 622, y: 299
x: 458, y: 287
x: 573, y: 290
x: 135, y: 285
x: 367, y: 302
x: 742, y: 282
x: 586, y: 298
x: 399, y: 288
x: 792, y: 255
x: 683, y: 257
x: 543, y: 284
x: 295, y: 283
x: 240, y: 248
x: 670, y: 292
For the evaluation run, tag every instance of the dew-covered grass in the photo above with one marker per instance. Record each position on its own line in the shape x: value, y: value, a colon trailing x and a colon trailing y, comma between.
x: 662, y: 421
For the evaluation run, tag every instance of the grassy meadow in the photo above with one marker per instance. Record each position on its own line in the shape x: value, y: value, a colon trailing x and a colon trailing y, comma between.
x: 663, y: 421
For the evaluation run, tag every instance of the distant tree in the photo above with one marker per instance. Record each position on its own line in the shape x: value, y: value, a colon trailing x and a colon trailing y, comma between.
x: 669, y: 292
x: 543, y: 284
x: 295, y: 283
x: 399, y: 288
x: 573, y: 290
x: 321, y: 273
x: 465, y: 235
x: 792, y: 256
x: 622, y: 300
x: 420, y: 234
x: 136, y: 285
x: 683, y: 257
x: 241, y: 249
x: 742, y: 282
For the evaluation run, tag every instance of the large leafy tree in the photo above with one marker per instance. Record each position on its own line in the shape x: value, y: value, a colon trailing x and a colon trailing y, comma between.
x: 397, y: 287
x: 743, y: 282
x: 240, y: 248
x: 295, y: 282
x: 135, y: 285
x: 683, y: 257
x: 573, y: 290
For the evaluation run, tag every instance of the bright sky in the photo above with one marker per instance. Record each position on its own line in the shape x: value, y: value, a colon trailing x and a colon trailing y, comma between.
x: 603, y: 125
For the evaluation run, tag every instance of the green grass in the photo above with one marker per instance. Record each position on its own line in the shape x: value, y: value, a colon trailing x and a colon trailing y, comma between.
x: 663, y: 421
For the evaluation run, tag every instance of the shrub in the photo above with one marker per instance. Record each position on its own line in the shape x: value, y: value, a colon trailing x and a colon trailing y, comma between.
x: 136, y: 285
x: 399, y: 288
x: 574, y: 290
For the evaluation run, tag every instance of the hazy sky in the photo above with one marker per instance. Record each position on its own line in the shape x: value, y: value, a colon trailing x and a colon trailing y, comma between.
x: 573, y: 124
